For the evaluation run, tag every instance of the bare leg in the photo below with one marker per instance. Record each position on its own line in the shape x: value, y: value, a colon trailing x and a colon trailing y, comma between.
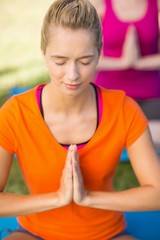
x: 19, y: 236
x: 25, y: 236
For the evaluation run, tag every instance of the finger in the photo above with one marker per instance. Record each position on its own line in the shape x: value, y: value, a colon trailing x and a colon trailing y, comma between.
x: 69, y: 157
x: 78, y: 185
x: 67, y: 170
x: 76, y: 178
x: 75, y: 156
x: 77, y: 175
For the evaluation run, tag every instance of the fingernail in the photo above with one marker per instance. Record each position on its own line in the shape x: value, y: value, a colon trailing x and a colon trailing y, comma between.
x: 75, y: 146
x: 70, y: 147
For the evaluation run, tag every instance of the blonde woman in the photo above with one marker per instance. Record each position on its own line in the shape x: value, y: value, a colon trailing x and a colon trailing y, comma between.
x: 68, y: 135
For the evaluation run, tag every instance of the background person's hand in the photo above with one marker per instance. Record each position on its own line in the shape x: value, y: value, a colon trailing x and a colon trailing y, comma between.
x: 131, y: 50
x: 129, y: 57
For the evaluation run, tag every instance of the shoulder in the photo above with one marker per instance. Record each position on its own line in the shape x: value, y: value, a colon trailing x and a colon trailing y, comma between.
x: 113, y: 96
x: 19, y: 101
x: 116, y: 101
x: 158, y: 4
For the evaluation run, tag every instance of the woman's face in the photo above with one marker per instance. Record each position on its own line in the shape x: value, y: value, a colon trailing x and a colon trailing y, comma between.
x: 71, y: 58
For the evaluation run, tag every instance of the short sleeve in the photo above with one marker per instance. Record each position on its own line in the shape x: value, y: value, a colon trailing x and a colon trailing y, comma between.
x: 135, y: 121
x: 8, y: 126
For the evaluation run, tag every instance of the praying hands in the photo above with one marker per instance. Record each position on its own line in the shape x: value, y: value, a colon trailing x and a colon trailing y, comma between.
x: 72, y: 186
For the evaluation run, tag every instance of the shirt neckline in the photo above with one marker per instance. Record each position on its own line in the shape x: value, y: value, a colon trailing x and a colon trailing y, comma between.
x: 39, y: 91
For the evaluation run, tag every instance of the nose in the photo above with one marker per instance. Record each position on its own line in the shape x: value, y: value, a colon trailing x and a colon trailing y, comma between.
x: 73, y: 72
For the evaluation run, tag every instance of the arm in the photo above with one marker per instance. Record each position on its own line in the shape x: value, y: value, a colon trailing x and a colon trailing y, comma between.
x: 16, y: 204
x: 112, y: 63
x: 149, y: 62
x: 146, y: 166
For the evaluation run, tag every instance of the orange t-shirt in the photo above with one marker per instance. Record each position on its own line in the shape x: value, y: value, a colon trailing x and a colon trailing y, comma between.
x: 23, y: 131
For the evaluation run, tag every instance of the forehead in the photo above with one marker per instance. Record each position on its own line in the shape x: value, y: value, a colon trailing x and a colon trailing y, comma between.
x: 63, y: 40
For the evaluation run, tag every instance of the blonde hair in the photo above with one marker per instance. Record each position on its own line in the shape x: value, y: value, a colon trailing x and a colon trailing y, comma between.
x: 72, y: 14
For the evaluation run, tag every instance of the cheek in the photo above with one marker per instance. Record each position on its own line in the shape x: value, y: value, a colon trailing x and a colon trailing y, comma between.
x: 87, y: 75
x: 90, y: 72
x: 55, y: 72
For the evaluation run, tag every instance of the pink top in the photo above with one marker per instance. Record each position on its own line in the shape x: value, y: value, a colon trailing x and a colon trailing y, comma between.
x: 137, y: 84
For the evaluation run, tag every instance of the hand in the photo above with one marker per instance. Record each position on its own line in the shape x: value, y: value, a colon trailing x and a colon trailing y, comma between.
x: 131, y: 51
x: 79, y: 191
x: 72, y: 185
x: 65, y: 192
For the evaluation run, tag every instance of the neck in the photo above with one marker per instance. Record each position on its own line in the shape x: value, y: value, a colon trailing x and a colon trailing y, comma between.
x: 55, y: 101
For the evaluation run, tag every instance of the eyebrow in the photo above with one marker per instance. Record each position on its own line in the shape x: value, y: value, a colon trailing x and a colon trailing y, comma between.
x: 63, y: 57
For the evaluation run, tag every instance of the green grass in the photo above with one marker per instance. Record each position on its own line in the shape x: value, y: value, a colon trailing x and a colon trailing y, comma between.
x: 15, y: 183
x: 125, y: 177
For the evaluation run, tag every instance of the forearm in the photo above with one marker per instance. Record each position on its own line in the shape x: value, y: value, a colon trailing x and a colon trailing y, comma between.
x: 150, y: 62
x: 18, y: 205
x: 112, y: 63
x: 135, y: 199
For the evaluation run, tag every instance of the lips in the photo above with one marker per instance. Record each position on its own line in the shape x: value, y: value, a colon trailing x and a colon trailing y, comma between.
x: 72, y: 86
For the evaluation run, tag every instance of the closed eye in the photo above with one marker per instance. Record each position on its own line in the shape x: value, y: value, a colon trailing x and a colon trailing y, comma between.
x: 86, y: 60
x: 85, y: 63
x: 59, y: 60
x: 60, y: 63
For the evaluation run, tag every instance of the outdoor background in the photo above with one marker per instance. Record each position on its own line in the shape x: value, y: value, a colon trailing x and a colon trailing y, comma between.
x: 21, y: 64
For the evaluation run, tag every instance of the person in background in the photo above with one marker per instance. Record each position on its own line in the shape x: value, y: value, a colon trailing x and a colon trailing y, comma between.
x: 68, y: 135
x: 130, y: 58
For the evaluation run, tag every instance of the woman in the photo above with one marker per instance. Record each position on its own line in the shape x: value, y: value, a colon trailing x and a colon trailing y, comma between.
x: 130, y: 59
x: 64, y: 134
